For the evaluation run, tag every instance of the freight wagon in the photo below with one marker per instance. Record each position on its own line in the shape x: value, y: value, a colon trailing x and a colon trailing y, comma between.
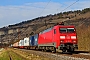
x: 21, y: 44
x: 29, y: 42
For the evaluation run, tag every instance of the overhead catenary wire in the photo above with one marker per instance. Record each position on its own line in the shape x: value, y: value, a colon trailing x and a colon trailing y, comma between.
x: 57, y: 9
x: 39, y: 13
x: 70, y: 5
x: 45, y: 7
x: 61, y: 10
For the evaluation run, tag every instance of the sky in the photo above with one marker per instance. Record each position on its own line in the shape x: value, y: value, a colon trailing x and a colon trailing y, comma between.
x: 16, y: 11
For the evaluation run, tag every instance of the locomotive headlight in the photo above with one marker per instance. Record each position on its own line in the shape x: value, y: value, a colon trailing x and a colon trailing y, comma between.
x: 61, y: 41
x: 62, y: 37
x: 74, y: 41
x: 73, y: 37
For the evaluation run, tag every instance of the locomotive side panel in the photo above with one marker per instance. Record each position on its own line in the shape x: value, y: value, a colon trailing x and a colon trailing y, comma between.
x: 45, y: 37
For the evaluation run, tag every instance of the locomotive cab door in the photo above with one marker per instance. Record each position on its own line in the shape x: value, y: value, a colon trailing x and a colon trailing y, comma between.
x: 54, y: 37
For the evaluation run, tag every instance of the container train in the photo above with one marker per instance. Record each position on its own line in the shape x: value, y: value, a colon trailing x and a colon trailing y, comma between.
x: 59, y: 37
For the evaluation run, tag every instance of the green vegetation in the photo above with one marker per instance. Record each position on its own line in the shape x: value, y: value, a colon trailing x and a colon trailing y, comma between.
x: 8, y: 54
x: 29, y: 55
x: 4, y: 56
x: 15, y: 54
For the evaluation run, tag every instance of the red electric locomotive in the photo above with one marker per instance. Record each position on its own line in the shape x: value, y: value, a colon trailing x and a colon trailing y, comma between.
x: 58, y: 37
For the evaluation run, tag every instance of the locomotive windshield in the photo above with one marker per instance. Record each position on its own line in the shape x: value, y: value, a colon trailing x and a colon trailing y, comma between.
x: 67, y: 30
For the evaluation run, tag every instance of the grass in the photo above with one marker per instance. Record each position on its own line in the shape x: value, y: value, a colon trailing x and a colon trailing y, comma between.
x: 30, y: 56
x: 5, y: 55
x: 16, y: 54
x: 84, y: 38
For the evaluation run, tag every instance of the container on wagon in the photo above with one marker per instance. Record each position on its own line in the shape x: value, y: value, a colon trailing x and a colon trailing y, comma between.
x: 26, y: 41
x: 32, y: 40
x: 36, y: 40
x: 16, y: 44
x: 21, y: 43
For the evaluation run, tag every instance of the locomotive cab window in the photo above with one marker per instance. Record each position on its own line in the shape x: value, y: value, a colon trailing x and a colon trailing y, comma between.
x: 63, y: 30
x: 70, y: 30
x: 67, y: 30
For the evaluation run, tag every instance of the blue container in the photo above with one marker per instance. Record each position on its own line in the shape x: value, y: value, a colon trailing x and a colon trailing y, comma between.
x: 32, y: 40
x: 36, y: 40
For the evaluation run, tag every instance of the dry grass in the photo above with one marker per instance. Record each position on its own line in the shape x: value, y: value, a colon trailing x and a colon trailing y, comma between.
x: 83, y: 38
x: 29, y: 56
x: 86, y: 15
x: 7, y: 54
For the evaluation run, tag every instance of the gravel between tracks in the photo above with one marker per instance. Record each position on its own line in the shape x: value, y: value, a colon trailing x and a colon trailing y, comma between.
x: 55, y: 56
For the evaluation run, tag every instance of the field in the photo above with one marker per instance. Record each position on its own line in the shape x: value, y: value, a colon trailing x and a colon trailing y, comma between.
x: 14, y: 54
x: 8, y: 54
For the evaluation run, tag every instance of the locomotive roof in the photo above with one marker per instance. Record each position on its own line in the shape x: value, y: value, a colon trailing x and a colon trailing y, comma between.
x: 65, y: 26
x: 62, y: 26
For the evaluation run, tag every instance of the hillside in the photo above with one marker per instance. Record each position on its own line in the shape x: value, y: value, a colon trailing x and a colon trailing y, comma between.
x: 80, y: 19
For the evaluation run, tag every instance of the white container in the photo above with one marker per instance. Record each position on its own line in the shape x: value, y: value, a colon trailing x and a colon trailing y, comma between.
x: 26, y: 41
x: 21, y: 43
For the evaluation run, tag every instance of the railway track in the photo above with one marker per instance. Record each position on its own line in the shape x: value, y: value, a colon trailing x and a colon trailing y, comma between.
x: 77, y: 55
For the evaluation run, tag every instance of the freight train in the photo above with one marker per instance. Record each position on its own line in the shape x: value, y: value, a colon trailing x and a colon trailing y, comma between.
x: 59, y: 37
